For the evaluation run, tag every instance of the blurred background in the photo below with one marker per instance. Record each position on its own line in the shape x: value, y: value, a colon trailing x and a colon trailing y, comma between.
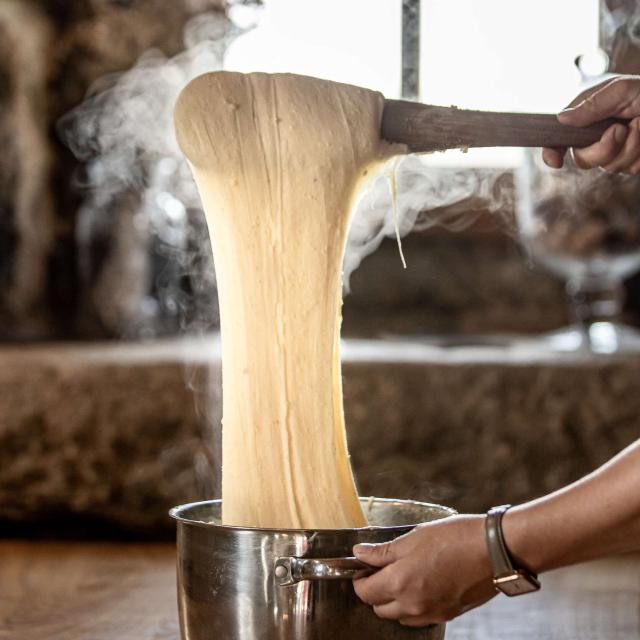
x: 500, y: 364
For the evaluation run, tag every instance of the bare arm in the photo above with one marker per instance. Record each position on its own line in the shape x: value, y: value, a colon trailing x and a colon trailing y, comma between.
x: 441, y: 569
x: 597, y: 516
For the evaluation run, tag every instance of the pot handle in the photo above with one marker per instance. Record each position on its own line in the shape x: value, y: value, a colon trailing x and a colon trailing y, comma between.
x: 290, y: 570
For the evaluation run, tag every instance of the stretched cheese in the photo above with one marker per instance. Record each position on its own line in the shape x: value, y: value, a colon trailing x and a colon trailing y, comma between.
x: 279, y: 160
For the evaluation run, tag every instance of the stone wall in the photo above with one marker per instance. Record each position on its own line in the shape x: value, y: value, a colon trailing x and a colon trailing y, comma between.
x: 473, y: 282
x: 111, y: 434
x: 476, y: 282
x: 27, y: 212
x: 52, y: 52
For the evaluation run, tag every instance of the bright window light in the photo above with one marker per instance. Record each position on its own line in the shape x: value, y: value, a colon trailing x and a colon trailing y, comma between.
x: 353, y: 41
x: 499, y: 55
x: 503, y: 55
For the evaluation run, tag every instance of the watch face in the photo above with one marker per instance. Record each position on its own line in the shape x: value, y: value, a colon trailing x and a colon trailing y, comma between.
x: 517, y: 584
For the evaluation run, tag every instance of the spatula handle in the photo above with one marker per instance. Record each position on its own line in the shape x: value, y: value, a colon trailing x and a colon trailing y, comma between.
x: 430, y: 128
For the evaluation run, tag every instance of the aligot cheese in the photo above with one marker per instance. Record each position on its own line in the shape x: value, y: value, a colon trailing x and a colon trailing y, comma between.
x: 279, y: 160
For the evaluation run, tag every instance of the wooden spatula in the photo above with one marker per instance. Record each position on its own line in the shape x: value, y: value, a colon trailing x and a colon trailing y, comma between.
x: 425, y: 128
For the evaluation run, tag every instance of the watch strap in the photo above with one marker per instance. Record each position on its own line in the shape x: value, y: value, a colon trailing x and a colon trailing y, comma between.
x: 498, y: 553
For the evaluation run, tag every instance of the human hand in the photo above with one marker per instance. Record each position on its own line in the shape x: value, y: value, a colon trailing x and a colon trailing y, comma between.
x: 618, y: 150
x: 431, y: 574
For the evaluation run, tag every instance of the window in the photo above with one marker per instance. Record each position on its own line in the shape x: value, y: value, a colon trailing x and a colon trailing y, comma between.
x: 503, y: 55
x: 353, y: 41
x: 507, y: 55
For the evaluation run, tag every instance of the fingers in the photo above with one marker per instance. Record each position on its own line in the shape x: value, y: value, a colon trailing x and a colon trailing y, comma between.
x: 377, y: 555
x: 617, y: 97
x: 630, y: 154
x: 554, y: 158
x: 619, y: 148
x: 583, y: 95
x: 603, y: 152
x: 375, y: 590
x: 431, y: 574
x: 390, y: 611
x: 415, y: 615
x: 618, y: 151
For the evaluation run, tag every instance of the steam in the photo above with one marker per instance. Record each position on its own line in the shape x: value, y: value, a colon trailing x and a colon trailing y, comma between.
x: 124, y: 134
x: 135, y: 172
x: 136, y: 178
x: 425, y: 197
x: 619, y: 29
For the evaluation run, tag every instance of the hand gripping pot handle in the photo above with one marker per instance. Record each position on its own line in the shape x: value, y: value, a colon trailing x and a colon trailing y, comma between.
x: 290, y: 570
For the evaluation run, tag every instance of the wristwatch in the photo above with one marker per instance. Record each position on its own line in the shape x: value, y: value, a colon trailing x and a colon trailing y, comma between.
x: 508, y: 579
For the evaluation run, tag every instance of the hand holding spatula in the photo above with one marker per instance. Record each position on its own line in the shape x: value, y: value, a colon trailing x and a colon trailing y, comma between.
x: 600, y: 123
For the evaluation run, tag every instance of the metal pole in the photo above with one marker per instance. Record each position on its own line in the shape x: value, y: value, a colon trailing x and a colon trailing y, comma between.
x: 411, y: 49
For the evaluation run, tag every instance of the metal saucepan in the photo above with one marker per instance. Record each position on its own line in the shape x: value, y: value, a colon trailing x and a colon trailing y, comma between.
x: 242, y: 583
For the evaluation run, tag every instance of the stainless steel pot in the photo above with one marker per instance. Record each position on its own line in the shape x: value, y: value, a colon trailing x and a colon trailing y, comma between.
x: 242, y: 583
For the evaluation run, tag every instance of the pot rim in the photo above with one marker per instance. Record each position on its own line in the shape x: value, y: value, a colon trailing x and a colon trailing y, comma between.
x: 175, y: 513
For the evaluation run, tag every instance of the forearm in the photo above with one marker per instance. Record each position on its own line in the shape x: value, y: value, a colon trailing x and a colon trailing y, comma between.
x: 597, y: 516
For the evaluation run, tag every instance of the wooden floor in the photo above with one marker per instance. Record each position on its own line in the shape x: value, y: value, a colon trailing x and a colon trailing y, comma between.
x: 71, y: 591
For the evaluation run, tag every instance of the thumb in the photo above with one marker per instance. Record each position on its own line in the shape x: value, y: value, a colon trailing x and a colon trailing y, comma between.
x: 612, y: 99
x: 377, y: 555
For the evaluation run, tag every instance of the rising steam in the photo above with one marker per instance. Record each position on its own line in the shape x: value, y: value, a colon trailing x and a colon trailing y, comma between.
x: 425, y: 197
x: 124, y: 132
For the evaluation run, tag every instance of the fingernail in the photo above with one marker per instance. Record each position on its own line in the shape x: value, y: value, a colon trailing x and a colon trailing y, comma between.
x: 363, y: 547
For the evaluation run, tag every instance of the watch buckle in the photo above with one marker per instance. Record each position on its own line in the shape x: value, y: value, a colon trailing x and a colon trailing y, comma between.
x: 517, y: 583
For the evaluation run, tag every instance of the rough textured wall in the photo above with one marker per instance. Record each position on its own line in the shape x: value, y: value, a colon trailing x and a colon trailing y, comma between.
x: 111, y: 433
x: 26, y: 209
x: 51, y: 52
x: 464, y: 283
